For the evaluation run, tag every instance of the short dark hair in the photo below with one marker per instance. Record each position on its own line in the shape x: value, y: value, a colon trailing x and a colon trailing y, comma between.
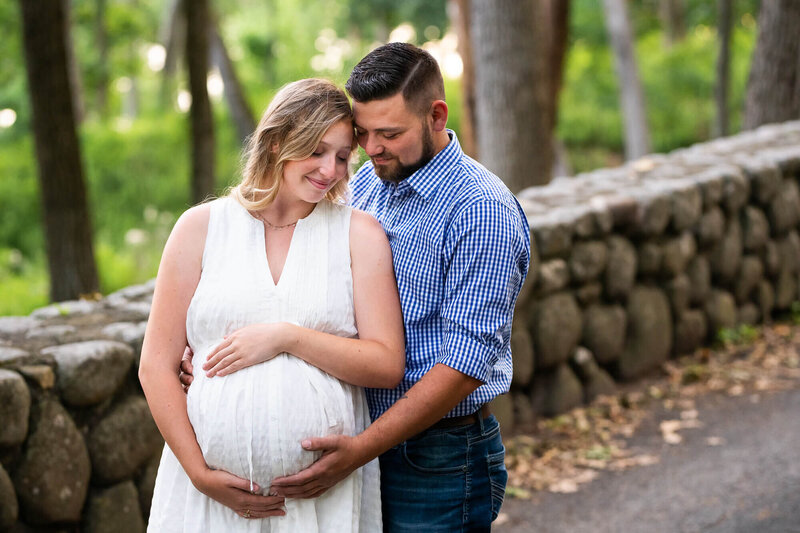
x: 397, y: 68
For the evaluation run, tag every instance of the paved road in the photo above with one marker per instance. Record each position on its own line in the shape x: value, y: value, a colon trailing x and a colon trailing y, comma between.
x: 749, y: 484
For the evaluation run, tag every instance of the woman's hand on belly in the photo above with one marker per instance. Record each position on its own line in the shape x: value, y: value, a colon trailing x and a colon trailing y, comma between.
x: 245, y: 347
x: 234, y: 492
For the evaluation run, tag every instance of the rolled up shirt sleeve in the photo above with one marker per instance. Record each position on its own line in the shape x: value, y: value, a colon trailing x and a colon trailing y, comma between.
x: 486, y: 253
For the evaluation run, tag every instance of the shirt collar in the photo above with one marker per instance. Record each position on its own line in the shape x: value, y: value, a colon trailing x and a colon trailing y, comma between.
x: 427, y: 179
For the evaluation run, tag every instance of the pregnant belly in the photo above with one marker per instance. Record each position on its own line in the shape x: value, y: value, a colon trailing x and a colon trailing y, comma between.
x: 251, y: 422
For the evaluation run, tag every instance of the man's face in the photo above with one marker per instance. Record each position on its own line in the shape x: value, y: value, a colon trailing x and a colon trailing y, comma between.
x: 398, y: 141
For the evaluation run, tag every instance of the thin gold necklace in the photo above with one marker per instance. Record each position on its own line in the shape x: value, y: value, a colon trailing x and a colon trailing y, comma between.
x: 273, y: 226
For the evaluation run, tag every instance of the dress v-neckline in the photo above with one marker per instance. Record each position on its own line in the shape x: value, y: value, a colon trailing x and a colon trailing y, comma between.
x: 263, y: 247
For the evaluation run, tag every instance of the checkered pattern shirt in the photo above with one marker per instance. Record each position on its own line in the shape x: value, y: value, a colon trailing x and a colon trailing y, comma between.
x: 461, y: 249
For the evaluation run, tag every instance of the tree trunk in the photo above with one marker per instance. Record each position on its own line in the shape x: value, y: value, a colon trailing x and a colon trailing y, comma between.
x: 723, y: 68
x: 673, y: 17
x: 459, y: 19
x: 101, y: 39
x: 511, y: 124
x: 202, y: 125
x: 558, y: 15
x: 173, y: 37
x: 234, y: 94
x: 73, y: 69
x: 637, y: 136
x: 773, y: 90
x: 64, y: 206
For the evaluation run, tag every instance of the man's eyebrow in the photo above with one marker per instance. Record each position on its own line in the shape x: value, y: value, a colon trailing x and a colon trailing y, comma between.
x: 396, y: 129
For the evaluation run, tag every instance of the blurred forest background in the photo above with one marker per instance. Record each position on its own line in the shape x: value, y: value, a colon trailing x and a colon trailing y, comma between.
x: 131, y: 99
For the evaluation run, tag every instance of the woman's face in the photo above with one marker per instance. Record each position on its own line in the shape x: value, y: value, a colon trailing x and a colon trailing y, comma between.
x: 310, y: 179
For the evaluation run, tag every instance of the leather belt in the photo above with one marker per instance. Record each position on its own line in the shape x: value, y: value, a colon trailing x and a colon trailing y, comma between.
x: 466, y: 420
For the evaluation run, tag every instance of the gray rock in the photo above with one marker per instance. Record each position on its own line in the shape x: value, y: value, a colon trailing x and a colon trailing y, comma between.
x: 587, y: 261
x: 726, y: 255
x: 146, y: 483
x: 53, y: 474
x: 595, y: 380
x: 653, y: 214
x: 699, y: 272
x: 750, y: 274
x: 771, y: 257
x: 13, y: 356
x: 748, y: 313
x: 90, y: 372
x: 13, y: 325
x: 123, y: 441
x: 735, y: 191
x: 556, y: 391
x: 755, y: 229
x: 131, y: 333
x: 58, y: 332
x: 621, y: 269
x: 552, y: 240
x: 9, y: 507
x: 785, y: 290
x: 720, y: 310
x: 556, y: 325
x: 677, y: 254
x: 691, y: 331
x: 789, y: 252
x: 604, y: 331
x: 524, y: 413
x: 711, y: 187
x: 553, y: 276
x: 42, y: 376
x: 521, y: 350
x: 135, y: 311
x: 649, y: 332
x: 679, y: 292
x: 134, y: 292
x: 711, y: 227
x: 64, y: 309
x: 15, y: 406
x: 765, y: 178
x: 765, y: 298
x: 687, y: 206
x: 589, y: 293
x: 114, y: 510
x: 784, y: 209
x: 650, y: 258
x: 502, y: 408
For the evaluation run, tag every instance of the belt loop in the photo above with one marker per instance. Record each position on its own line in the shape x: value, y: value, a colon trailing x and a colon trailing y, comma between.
x: 479, y: 415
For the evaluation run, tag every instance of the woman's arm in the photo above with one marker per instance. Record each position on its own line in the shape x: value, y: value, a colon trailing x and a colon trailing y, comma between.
x: 375, y: 359
x: 164, y: 342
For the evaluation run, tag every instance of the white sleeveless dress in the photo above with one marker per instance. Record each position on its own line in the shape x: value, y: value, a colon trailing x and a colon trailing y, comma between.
x: 251, y: 422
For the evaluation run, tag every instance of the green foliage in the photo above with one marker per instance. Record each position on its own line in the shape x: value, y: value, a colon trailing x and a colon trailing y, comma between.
x: 742, y: 334
x: 678, y: 84
x: 137, y: 169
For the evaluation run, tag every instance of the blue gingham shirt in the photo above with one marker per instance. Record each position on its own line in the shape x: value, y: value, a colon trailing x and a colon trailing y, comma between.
x: 461, y: 248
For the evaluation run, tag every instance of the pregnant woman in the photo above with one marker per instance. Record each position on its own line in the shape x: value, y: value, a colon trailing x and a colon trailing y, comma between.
x: 285, y: 285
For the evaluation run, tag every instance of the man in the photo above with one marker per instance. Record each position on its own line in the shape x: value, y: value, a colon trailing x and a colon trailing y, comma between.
x: 461, y: 249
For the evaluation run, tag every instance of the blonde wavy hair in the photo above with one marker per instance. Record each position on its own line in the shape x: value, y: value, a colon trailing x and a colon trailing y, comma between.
x: 291, y: 128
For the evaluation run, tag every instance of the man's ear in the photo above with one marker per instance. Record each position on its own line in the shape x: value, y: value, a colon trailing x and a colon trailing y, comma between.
x: 439, y: 115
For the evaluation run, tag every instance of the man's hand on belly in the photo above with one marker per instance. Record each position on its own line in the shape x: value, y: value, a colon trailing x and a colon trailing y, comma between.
x: 341, y: 455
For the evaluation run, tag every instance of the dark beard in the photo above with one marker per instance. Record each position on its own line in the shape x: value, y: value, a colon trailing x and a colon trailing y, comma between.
x: 404, y: 171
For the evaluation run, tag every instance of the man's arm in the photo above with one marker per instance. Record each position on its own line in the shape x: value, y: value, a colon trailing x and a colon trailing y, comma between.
x: 488, y: 257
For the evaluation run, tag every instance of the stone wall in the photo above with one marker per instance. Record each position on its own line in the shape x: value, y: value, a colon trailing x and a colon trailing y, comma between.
x: 637, y: 264
x: 77, y: 442
x: 631, y: 266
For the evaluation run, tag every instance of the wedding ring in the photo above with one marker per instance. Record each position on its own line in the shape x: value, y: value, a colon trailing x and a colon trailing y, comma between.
x: 246, y: 513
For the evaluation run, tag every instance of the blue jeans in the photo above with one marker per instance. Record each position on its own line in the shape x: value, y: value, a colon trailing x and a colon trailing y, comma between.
x: 444, y: 480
